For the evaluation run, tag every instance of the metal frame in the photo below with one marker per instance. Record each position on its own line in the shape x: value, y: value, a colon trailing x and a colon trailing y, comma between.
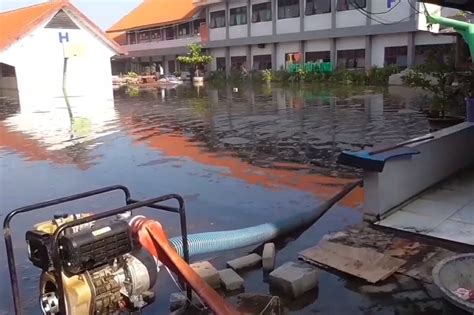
x: 130, y: 205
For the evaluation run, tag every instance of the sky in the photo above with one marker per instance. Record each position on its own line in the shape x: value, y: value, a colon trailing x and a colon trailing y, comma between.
x: 103, y: 12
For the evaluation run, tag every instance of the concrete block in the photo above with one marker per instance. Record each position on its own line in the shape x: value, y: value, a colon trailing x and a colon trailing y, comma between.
x: 208, y: 273
x: 294, y: 279
x: 230, y: 280
x: 268, y: 257
x: 245, y: 262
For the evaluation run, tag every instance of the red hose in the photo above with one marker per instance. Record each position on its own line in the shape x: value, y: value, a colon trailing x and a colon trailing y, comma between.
x: 153, y: 238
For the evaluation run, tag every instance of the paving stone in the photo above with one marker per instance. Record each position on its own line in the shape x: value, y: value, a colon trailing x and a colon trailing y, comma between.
x: 378, y: 289
x: 294, y: 279
x: 207, y: 271
x: 245, y: 262
x: 230, y: 280
x: 268, y: 257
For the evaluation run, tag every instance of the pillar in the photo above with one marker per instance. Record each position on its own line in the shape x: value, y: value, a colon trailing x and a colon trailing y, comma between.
x: 333, y: 53
x: 302, y: 2
x: 274, y: 57
x: 368, y: 52
x: 411, y: 50
x: 227, y: 13
x: 249, y: 18
x: 274, y: 16
x: 227, y: 61
x: 249, y: 58
x: 302, y: 51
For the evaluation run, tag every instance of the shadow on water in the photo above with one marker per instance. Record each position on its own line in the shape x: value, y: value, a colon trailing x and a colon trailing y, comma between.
x: 239, y: 159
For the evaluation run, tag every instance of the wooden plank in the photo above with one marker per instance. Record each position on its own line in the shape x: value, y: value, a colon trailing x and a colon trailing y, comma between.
x: 365, y: 263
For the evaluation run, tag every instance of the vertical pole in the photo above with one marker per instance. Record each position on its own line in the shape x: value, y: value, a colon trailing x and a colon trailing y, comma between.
x: 368, y: 52
x: 333, y: 53
x: 274, y: 5
x: 249, y: 58
x: 227, y: 61
x: 411, y: 50
x: 227, y: 20
x: 302, y: 3
x: 249, y: 18
x: 274, y: 57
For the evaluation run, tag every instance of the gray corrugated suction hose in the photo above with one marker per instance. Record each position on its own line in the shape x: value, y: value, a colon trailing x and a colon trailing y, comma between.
x: 208, y: 242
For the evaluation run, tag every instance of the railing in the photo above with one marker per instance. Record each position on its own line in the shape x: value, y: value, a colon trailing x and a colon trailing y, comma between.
x: 317, y: 67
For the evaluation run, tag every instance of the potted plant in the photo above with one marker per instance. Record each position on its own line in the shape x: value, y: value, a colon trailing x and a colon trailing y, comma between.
x: 196, y: 59
x: 439, y: 78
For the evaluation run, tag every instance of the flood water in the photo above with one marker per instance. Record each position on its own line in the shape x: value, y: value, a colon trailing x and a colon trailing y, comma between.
x: 239, y: 156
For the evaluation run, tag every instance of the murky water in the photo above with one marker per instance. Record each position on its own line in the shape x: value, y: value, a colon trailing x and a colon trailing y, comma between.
x: 239, y: 157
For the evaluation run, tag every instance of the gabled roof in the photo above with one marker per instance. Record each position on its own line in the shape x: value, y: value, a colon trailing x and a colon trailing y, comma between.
x: 154, y: 13
x: 16, y: 24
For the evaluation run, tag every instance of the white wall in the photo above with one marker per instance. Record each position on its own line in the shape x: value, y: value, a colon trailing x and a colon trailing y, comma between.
x: 238, y: 31
x: 427, y: 38
x: 379, y: 42
x: 288, y: 26
x: 400, y: 12
x: 317, y: 45
x: 238, y: 51
x: 317, y: 22
x: 39, y: 59
x: 282, y: 49
x: 347, y: 43
x: 267, y: 50
x: 261, y: 29
x: 351, y: 18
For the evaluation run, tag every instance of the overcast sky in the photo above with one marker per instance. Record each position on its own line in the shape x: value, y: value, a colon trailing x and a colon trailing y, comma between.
x: 103, y: 12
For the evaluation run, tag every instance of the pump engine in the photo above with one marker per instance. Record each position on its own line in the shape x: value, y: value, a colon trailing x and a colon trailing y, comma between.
x: 103, y: 269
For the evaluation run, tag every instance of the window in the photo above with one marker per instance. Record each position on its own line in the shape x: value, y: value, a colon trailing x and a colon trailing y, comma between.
x: 143, y: 36
x: 262, y: 62
x: 317, y: 7
x: 217, y: 19
x: 169, y: 33
x: 316, y: 56
x: 7, y: 70
x: 156, y: 34
x: 171, y: 66
x: 238, y: 62
x: 132, y: 38
x: 220, y: 63
x: 351, y: 59
x: 396, y: 56
x: 262, y: 12
x: 442, y: 53
x: 238, y: 16
x: 197, y: 24
x: 344, y: 5
x: 184, y: 29
x: 288, y: 9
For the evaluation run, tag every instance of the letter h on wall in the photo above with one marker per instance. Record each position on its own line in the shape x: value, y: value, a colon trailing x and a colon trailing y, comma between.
x: 64, y: 37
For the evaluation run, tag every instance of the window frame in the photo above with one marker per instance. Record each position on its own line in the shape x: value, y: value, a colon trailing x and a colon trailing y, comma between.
x: 257, y: 12
x: 354, y: 54
x: 243, y: 15
x: 217, y: 14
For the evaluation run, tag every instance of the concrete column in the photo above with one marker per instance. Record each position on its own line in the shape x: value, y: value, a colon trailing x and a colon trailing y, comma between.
x: 333, y: 13
x: 249, y: 58
x: 128, y: 38
x: 301, y: 50
x: 136, y: 37
x: 302, y: 3
x: 333, y: 53
x: 368, y: 52
x: 274, y: 57
x: 369, y: 9
x: 165, y: 65
x: 227, y: 61
x: 249, y: 18
x: 411, y: 50
x: 227, y: 17
x: 274, y: 16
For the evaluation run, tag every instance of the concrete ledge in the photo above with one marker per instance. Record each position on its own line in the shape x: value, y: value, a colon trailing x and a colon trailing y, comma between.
x: 451, y: 150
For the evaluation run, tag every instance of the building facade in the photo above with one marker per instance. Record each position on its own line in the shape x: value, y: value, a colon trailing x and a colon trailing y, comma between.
x: 46, y: 47
x: 269, y: 34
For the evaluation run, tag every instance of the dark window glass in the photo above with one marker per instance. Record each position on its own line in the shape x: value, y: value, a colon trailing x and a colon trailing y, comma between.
x: 184, y: 29
x: 238, y: 16
x: 143, y: 36
x: 317, y: 7
x: 344, y: 5
x: 170, y: 33
x: 262, y: 12
x: 7, y: 70
x: 217, y: 19
x: 442, y: 53
x: 396, y: 56
x: 262, y: 62
x: 220, y: 63
x: 155, y: 34
x: 132, y: 38
x: 315, y: 56
x: 351, y: 59
x: 237, y: 63
x: 288, y: 9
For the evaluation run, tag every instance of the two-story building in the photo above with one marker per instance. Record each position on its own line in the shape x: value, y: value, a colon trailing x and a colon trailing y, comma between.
x: 263, y: 34
x: 156, y: 32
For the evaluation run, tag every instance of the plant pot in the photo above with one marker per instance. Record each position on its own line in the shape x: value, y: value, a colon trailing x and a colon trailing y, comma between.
x: 437, y: 123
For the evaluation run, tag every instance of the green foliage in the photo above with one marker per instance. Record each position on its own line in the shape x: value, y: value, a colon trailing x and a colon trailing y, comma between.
x: 436, y: 77
x: 195, y: 57
x: 132, y: 75
x: 267, y: 75
x: 380, y: 76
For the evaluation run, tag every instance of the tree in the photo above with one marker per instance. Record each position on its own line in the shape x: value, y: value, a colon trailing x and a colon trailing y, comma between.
x: 195, y: 58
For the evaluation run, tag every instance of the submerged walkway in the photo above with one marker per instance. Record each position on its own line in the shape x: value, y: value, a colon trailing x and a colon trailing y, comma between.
x: 445, y: 211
